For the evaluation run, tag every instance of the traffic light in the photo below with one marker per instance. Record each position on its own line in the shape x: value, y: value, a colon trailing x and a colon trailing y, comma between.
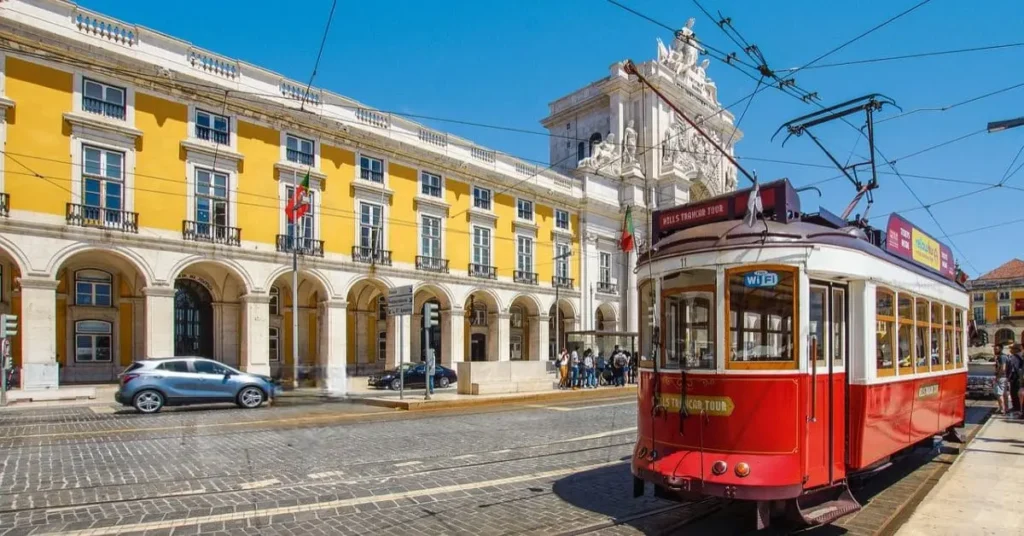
x: 8, y: 326
x: 431, y: 315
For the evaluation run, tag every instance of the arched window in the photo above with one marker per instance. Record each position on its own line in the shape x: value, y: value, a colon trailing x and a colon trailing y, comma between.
x: 478, y: 315
x: 1005, y: 337
x: 275, y: 345
x: 275, y: 301
x: 599, y: 320
x: 515, y: 317
x: 93, y: 341
x: 594, y: 140
x: 581, y: 151
x: 93, y: 287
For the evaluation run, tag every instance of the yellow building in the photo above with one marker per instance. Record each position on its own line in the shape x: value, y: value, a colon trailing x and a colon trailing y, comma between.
x: 144, y: 185
x: 997, y: 303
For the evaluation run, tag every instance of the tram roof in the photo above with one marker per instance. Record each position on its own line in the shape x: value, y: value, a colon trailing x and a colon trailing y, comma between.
x: 717, y: 223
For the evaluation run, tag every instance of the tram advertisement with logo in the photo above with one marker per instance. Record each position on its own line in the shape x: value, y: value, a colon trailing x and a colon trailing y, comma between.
x: 785, y: 353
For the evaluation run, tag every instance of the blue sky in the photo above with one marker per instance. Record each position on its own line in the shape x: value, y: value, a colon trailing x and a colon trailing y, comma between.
x: 502, y: 61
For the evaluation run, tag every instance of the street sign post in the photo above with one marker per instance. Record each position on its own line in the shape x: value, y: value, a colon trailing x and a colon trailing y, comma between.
x: 400, y: 304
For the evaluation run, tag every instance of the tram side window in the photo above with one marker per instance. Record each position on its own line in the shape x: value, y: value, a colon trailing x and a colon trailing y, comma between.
x: 762, y: 312
x: 689, y: 330
x: 885, y: 325
x: 936, y: 326
x: 905, y: 314
x: 921, y: 321
x: 958, y: 338
x: 646, y: 312
x: 838, y: 327
x: 818, y: 319
x: 947, y: 353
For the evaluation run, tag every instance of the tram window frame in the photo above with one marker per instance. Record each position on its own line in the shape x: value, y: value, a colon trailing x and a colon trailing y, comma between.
x: 889, y: 319
x: 823, y: 344
x: 838, y: 326
x: 936, y: 336
x: 922, y: 357
x: 712, y: 334
x: 901, y: 321
x: 947, y: 340
x: 794, y: 343
x: 958, y: 338
x: 645, y: 295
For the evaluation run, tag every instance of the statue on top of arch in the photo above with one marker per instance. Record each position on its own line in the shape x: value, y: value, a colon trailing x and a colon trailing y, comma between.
x: 684, y: 52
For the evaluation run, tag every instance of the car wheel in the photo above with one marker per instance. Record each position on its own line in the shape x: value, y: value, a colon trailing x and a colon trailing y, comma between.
x: 396, y: 384
x: 148, y: 401
x: 443, y: 382
x: 250, y: 397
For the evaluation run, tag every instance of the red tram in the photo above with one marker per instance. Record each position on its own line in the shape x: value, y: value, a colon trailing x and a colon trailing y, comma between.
x: 792, y: 354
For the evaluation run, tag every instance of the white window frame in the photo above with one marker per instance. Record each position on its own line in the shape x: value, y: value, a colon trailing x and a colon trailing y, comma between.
x: 525, y: 203
x: 439, y: 254
x: 228, y: 199
x: 978, y: 296
x: 423, y: 184
x: 490, y: 245
x: 104, y: 154
x: 1008, y: 311
x: 1003, y: 295
x: 568, y: 220
x: 105, y: 86
x: 370, y: 160
x: 193, y: 126
x: 490, y: 199
x: 604, y: 268
x: 108, y: 142
x: 275, y: 300
x: 78, y: 93
x: 94, y: 336
x: 106, y: 279
x: 283, y: 157
x: 979, y: 318
x: 283, y: 187
x: 274, y: 345
x: 520, y: 239
x: 382, y: 230
x: 566, y: 262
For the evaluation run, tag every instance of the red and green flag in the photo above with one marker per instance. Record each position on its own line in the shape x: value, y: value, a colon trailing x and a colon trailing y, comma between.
x: 627, y: 241
x: 298, y: 205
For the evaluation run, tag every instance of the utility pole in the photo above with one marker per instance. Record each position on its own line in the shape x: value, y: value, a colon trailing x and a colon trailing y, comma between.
x: 297, y: 238
x: 558, y: 309
x: 998, y: 126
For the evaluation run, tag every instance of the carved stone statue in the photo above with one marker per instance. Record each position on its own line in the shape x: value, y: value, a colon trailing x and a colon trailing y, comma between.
x: 629, y: 144
x: 604, y: 156
x: 684, y: 52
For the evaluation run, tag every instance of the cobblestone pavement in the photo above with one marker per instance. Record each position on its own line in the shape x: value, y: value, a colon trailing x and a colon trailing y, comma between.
x: 328, y: 469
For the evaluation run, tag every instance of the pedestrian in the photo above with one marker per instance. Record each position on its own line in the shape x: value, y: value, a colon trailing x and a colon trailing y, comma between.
x: 602, y: 369
x: 590, y: 381
x: 574, y: 369
x: 563, y: 369
x: 619, y: 363
x: 1002, y: 385
x: 1016, y: 362
x: 431, y: 366
x: 633, y: 364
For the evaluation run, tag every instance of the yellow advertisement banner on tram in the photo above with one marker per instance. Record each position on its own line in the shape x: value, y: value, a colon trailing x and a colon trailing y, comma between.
x: 925, y: 249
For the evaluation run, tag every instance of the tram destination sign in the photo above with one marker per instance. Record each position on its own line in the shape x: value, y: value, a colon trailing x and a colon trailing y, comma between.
x: 904, y: 239
x: 778, y: 198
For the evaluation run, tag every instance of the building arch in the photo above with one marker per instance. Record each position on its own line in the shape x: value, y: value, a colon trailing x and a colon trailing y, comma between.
x: 16, y: 254
x: 139, y: 264
x: 605, y: 317
x: 437, y: 290
x: 315, y: 275
x: 529, y: 301
x: 377, y: 280
x: 489, y: 296
x: 231, y: 266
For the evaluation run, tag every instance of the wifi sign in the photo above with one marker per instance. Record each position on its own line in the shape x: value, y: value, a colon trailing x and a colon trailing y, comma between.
x: 760, y: 279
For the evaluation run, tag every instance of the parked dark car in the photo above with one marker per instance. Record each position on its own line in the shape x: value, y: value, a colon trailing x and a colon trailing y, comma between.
x: 981, y: 378
x: 415, y: 377
x: 150, y: 384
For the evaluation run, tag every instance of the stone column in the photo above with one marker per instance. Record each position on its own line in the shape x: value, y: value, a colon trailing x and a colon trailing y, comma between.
x: 362, y: 320
x: 255, y: 350
x: 587, y: 242
x: 504, y: 333
x: 453, y: 336
x: 138, y: 327
x: 539, y: 334
x: 333, y: 345
x: 228, y: 333
x: 159, y: 321
x: 37, y: 327
x: 304, y: 313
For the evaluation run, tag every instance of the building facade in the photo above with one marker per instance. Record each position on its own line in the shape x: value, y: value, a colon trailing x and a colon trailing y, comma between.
x: 997, y: 305
x: 144, y: 183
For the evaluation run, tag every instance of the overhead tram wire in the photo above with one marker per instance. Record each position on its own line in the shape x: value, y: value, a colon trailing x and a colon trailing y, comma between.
x: 319, y: 54
x: 911, y: 56
x: 951, y: 106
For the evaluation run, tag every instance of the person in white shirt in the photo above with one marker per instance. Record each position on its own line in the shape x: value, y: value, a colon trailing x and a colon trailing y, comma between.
x: 563, y: 369
x: 589, y: 380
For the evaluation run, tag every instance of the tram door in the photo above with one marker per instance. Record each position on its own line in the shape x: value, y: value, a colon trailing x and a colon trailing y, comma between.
x: 826, y: 437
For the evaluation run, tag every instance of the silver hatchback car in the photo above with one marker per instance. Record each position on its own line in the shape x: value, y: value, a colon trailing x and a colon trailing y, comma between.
x: 150, y: 384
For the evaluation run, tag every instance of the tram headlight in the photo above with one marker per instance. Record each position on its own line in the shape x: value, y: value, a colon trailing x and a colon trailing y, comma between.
x: 719, y: 467
x: 742, y: 469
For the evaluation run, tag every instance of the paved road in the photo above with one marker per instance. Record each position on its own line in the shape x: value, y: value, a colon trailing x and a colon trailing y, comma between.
x: 331, y: 469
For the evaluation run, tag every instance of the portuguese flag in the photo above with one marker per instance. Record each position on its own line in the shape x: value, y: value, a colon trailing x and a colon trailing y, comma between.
x: 626, y: 242
x: 298, y: 205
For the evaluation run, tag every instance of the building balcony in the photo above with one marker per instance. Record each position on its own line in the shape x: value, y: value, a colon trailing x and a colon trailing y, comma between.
x: 561, y: 282
x: 607, y: 287
x: 529, y: 278
x: 483, y: 271
x: 5, y: 204
x: 97, y: 106
x: 303, y: 246
x: 371, y: 256
x: 102, y: 218
x: 432, y: 264
x: 216, y: 136
x: 197, y: 231
x: 299, y: 157
x: 370, y: 175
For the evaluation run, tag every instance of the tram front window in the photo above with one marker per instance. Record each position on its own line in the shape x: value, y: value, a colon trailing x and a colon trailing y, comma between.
x: 762, y: 308
x: 689, y: 330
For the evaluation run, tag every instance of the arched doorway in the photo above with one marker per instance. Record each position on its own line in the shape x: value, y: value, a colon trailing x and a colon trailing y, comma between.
x: 1005, y: 337
x: 193, y: 319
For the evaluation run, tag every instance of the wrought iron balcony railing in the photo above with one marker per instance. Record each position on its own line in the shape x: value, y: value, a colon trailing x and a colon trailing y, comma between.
x: 102, y: 107
x: 483, y: 271
x: 209, y: 134
x: 607, y: 287
x: 303, y: 246
x: 519, y: 276
x: 197, y: 231
x: 561, y: 282
x: 371, y: 175
x: 103, y: 218
x: 432, y: 264
x: 299, y: 157
x: 371, y: 256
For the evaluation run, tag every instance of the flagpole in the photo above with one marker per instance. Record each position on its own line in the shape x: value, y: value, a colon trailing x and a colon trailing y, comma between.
x: 297, y: 227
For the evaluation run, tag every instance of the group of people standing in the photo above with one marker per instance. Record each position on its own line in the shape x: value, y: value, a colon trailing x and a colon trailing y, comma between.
x: 589, y: 371
x: 1009, y: 377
